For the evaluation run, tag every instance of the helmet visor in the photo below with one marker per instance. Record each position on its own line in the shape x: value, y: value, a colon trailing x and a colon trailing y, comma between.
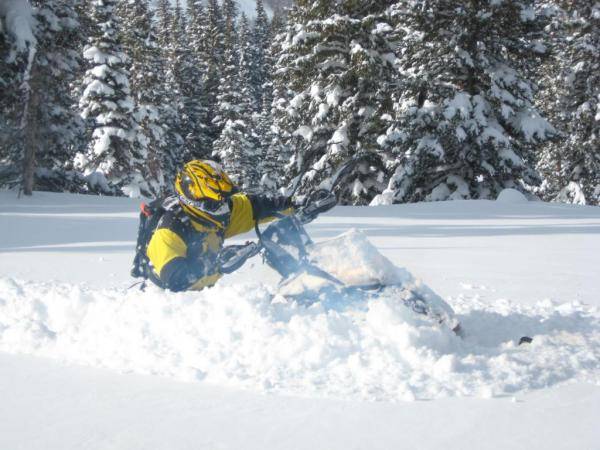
x: 210, y: 207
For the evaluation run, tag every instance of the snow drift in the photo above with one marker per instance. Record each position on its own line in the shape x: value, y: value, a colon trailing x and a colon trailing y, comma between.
x: 245, y: 336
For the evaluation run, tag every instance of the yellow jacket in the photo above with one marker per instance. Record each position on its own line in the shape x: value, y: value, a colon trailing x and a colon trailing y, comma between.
x: 183, y: 252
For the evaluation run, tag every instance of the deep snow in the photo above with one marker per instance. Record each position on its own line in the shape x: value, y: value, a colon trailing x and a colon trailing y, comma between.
x: 508, y: 268
x: 47, y: 406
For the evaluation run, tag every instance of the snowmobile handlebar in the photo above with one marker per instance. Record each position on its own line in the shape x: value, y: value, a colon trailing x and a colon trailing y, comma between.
x: 316, y: 203
x: 232, y: 257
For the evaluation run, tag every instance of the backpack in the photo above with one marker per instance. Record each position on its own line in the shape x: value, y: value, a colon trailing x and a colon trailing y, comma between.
x: 150, y: 216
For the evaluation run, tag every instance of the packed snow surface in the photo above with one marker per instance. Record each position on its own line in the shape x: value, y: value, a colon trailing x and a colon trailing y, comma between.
x: 508, y: 269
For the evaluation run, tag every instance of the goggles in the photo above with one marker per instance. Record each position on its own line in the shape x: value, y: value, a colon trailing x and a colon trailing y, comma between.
x: 211, y: 207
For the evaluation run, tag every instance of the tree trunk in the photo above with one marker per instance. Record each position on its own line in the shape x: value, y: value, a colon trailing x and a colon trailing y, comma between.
x: 30, y: 127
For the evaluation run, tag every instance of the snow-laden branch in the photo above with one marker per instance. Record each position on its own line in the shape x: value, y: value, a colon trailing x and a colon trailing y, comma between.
x: 19, y: 22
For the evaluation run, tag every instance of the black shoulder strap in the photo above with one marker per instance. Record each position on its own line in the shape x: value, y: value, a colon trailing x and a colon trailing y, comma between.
x: 176, y: 220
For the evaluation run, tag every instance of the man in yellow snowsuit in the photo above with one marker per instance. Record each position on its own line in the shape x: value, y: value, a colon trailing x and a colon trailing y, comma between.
x: 183, y: 250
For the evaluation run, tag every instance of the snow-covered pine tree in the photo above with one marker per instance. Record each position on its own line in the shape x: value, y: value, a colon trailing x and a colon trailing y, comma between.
x: 39, y: 127
x: 466, y: 123
x: 163, y: 18
x: 548, y: 74
x: 336, y: 61
x: 191, y: 69
x: 261, y: 67
x: 171, y: 106
x: 216, y: 24
x: 229, y: 96
x: 245, y: 52
x: 237, y: 148
x: 140, y: 42
x: 60, y: 129
x: 197, y: 26
x: 275, y: 28
x: 111, y: 162
x: 15, y: 49
x: 229, y: 11
x: 268, y: 168
x: 214, y: 45
x: 274, y: 138
x: 202, y: 37
x: 18, y: 122
x: 187, y: 69
x: 571, y: 165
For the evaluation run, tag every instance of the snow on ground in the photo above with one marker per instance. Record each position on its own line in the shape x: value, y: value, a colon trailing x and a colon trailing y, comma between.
x: 235, y: 336
x: 47, y: 407
x: 508, y: 269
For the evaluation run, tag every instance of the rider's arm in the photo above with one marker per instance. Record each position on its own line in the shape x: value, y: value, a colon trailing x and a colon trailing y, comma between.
x: 246, y: 209
x: 266, y: 206
x: 167, y: 252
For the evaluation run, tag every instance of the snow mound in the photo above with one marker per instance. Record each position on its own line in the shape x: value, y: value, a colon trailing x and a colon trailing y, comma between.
x: 386, y: 198
x: 354, y: 260
x: 511, y: 196
x: 245, y: 337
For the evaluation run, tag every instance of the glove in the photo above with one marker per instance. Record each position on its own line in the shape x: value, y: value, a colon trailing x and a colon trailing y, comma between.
x: 264, y: 206
x: 296, y: 203
x: 316, y: 203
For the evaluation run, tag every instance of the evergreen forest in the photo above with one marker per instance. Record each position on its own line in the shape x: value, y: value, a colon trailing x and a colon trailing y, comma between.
x: 419, y: 100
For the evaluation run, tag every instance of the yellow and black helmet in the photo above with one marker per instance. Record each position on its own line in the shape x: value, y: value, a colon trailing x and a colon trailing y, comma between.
x: 204, y: 189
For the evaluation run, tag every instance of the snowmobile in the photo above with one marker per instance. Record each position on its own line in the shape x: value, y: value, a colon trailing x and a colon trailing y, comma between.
x: 288, y: 249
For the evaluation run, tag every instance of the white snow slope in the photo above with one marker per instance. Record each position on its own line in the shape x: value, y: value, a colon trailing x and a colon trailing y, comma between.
x: 86, y: 363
